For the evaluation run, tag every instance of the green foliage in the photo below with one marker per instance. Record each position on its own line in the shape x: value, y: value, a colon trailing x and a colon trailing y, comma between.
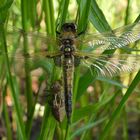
x: 96, y: 113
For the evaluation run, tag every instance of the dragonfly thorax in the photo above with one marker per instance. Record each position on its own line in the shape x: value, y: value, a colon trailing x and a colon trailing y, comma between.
x: 67, y: 47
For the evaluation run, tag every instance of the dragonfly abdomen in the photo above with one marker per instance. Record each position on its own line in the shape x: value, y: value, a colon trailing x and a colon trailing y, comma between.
x: 68, y: 68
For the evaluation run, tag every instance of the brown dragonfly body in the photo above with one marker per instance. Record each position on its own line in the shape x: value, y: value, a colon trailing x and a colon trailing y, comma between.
x: 67, y: 47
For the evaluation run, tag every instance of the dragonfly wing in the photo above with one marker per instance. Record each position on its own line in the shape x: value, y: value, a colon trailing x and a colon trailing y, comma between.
x: 36, y: 47
x: 18, y: 62
x: 111, y: 65
x: 36, y: 41
x: 114, y: 39
x: 37, y: 57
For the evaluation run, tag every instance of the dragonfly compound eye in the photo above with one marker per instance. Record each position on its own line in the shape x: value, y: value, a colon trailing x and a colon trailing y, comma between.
x: 67, y: 27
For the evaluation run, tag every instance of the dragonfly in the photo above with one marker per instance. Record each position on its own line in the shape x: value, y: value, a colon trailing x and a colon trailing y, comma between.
x: 72, y: 49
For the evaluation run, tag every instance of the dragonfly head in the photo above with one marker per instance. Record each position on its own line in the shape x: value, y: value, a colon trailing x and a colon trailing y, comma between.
x: 69, y: 27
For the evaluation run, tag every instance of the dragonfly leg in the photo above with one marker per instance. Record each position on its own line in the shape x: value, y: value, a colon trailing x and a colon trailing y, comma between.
x: 82, y: 32
x: 57, y: 33
x: 76, y: 61
x: 57, y: 61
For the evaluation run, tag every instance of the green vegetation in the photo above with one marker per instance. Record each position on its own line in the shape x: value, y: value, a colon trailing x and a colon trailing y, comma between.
x: 103, y: 108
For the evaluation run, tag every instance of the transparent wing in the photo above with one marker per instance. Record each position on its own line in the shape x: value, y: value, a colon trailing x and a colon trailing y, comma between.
x: 18, y: 64
x: 36, y: 42
x: 37, y: 45
x: 111, y: 65
x: 117, y: 38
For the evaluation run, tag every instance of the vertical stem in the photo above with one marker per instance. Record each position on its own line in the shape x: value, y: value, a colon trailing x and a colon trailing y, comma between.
x: 127, y: 12
x: 28, y: 90
x: 6, y: 116
x: 63, y: 12
x: 81, y: 26
x: 10, y: 81
x: 50, y: 29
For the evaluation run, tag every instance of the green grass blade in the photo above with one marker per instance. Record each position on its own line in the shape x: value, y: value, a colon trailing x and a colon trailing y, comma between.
x: 111, y: 82
x: 32, y: 12
x: 120, y: 106
x: 87, y: 127
x: 97, y: 18
x: 46, y: 124
x: 28, y: 91
x: 91, y: 109
x: 5, y: 5
x: 63, y: 11
x: 82, y: 23
x: 48, y: 120
x: 127, y: 12
x: 7, y: 119
x: 84, y: 10
x: 11, y: 83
